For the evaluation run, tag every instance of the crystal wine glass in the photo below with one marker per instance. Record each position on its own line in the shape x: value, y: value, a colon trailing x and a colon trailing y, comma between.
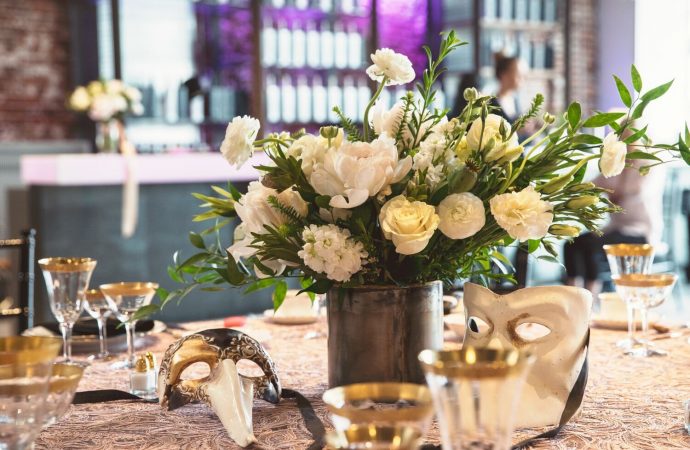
x: 644, y: 291
x: 67, y: 280
x: 125, y: 298
x: 629, y: 259
x: 98, y: 308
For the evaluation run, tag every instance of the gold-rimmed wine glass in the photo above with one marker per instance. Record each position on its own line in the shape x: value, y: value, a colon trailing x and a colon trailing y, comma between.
x: 99, y: 308
x: 628, y: 259
x: 125, y: 298
x: 645, y: 291
x: 67, y: 279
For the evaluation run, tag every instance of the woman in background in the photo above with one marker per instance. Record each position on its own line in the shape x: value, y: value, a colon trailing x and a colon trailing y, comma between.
x: 509, y: 71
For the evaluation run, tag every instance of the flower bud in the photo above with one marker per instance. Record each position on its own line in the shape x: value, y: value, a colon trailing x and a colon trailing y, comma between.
x: 464, y: 182
x: 556, y: 184
x: 511, y: 155
x: 549, y: 118
x: 582, y: 202
x: 564, y: 230
x: 329, y: 132
x: 581, y: 187
x: 470, y: 94
x: 644, y: 170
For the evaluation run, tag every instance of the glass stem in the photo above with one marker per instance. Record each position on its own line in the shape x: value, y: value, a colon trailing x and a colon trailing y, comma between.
x: 66, y: 329
x: 101, y: 335
x: 632, y: 326
x: 645, y: 330
x: 129, y: 326
x: 104, y: 349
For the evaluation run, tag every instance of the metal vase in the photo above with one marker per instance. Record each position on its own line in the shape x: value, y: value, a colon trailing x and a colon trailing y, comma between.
x: 375, y: 333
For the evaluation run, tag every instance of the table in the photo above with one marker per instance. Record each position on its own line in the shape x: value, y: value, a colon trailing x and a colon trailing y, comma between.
x: 630, y: 403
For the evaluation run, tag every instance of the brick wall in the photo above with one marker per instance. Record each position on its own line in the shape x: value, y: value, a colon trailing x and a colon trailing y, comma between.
x: 583, y: 52
x: 34, y: 70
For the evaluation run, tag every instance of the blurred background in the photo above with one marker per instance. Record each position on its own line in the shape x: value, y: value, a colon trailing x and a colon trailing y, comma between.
x: 197, y: 64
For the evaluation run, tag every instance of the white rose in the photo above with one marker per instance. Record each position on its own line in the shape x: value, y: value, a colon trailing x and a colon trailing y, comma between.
x: 137, y: 109
x: 613, y: 152
x: 462, y: 215
x: 329, y: 249
x: 409, y: 225
x: 105, y: 106
x: 524, y: 215
x: 359, y: 170
x: 309, y: 150
x: 238, y: 144
x: 133, y: 94
x: 255, y: 210
x: 394, y: 66
x: 80, y: 100
x: 500, y: 149
x: 114, y: 86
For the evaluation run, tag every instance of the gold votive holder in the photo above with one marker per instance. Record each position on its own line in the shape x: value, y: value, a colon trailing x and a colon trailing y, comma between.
x: 375, y: 438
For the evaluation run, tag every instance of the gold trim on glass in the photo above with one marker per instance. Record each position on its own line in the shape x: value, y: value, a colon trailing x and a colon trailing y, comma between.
x: 65, y: 377
x: 94, y: 294
x: 339, y: 402
x: 471, y: 362
x: 629, y: 250
x: 129, y: 288
x: 21, y: 350
x: 645, y: 280
x: 362, y: 436
x: 67, y: 264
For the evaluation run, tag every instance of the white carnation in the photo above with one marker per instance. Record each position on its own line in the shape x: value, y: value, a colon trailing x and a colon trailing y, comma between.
x: 329, y: 249
x: 613, y: 153
x: 395, y: 67
x: 238, y: 144
x: 462, y: 215
x: 524, y: 215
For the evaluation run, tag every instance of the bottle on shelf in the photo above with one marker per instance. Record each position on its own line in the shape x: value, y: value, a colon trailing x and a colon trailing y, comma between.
x: 288, y: 98
x: 320, y: 100
x: 326, y: 5
x: 326, y: 45
x: 521, y: 10
x: 272, y: 99
x: 284, y: 45
x: 269, y: 45
x: 299, y: 45
x: 354, y: 47
x: 550, y: 13
x: 535, y: 10
x: 301, y: 4
x: 278, y: 3
x: 340, y: 48
x: 490, y: 9
x: 349, y: 98
x: 313, y: 47
x: 304, y: 105
x: 334, y: 98
x: 506, y: 10
x: 347, y: 6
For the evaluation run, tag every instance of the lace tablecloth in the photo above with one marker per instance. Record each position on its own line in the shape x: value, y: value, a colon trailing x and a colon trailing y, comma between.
x: 630, y: 403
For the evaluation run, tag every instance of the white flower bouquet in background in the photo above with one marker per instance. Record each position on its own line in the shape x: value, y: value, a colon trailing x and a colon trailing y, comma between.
x: 106, y: 100
x: 411, y: 196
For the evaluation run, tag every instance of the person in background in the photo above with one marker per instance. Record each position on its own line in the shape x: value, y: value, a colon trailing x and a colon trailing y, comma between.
x: 641, y: 222
x: 509, y: 71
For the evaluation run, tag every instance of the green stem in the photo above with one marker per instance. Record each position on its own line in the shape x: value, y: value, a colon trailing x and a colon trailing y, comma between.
x: 371, y: 103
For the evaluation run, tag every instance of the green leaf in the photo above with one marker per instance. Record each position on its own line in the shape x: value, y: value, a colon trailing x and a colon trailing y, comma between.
x: 196, y: 240
x: 602, y: 119
x: 192, y: 260
x: 162, y: 294
x: 586, y: 139
x: 174, y: 275
x: 261, y: 284
x: 533, y: 245
x: 657, y: 92
x: 636, y: 136
x: 639, y: 110
x: 549, y: 258
x: 279, y: 294
x: 580, y: 174
x: 320, y: 286
x: 222, y: 192
x: 144, y: 312
x: 684, y: 150
x: 636, y: 79
x: 235, y: 277
x: 323, y: 201
x: 623, y: 92
x: 687, y: 134
x: 574, y: 114
x: 641, y: 155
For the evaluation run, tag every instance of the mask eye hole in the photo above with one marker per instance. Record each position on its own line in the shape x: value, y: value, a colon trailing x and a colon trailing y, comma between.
x: 195, y: 371
x: 477, y: 325
x: 530, y: 331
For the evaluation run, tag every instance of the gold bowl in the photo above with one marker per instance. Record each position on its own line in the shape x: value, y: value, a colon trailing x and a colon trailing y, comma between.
x: 374, y: 437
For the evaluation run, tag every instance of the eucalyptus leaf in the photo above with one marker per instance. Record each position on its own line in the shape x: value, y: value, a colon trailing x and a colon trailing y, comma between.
x: 602, y: 119
x: 636, y: 79
x: 623, y: 92
x: 637, y: 135
x: 641, y: 155
x: 657, y: 92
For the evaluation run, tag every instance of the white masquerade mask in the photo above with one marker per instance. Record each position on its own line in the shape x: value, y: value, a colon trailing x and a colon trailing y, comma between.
x: 553, y: 322
x: 227, y: 392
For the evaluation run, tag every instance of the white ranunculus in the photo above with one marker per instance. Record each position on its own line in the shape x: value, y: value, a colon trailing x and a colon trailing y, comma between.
x: 114, y: 86
x: 95, y: 88
x: 394, y: 66
x: 238, y: 144
x: 330, y: 250
x: 132, y: 93
x: 255, y: 211
x: 137, y: 109
x: 462, y: 215
x: 500, y: 148
x: 359, y: 170
x: 105, y: 106
x: 409, y: 225
x: 613, y: 153
x: 524, y: 215
x: 309, y: 150
x: 80, y: 100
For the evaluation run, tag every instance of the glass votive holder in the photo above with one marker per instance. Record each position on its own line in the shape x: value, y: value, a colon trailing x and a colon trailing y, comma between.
x: 686, y: 408
x: 64, y: 381
x: 374, y: 437
x: 381, y: 406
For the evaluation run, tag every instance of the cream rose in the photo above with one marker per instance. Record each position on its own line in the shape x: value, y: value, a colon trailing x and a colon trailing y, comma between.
x: 508, y: 150
x: 613, y: 152
x: 396, y: 67
x: 409, y: 225
x: 80, y: 100
x: 524, y: 215
x: 359, y: 170
x: 238, y: 144
x: 461, y: 215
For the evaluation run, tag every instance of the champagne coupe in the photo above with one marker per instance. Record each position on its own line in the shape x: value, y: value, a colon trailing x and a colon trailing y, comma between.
x: 125, y: 298
x: 67, y: 280
x: 645, y: 291
x: 628, y: 259
x: 98, y: 308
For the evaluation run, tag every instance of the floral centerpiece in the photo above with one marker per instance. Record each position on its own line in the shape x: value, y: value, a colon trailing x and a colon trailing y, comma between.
x: 411, y: 197
x: 106, y: 103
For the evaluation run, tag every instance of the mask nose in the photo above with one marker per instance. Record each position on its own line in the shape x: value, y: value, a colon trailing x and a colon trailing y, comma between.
x: 499, y: 342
